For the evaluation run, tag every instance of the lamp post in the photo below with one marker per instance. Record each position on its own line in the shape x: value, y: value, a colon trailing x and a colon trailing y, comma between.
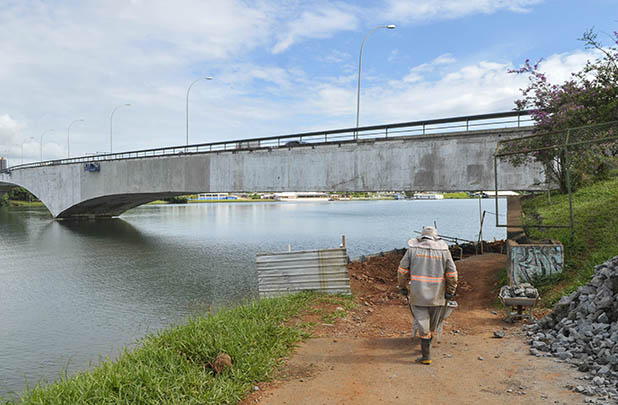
x: 69, y: 136
x: 188, y: 89
x: 360, y: 60
x: 42, y: 135
x: 111, y: 125
x: 22, y: 148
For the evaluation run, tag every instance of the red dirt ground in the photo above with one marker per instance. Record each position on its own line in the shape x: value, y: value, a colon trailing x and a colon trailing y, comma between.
x: 367, y: 357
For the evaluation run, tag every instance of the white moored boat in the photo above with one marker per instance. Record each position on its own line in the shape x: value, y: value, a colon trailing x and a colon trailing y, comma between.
x: 428, y: 196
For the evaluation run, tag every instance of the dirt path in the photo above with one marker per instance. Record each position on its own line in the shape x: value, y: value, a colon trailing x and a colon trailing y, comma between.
x: 367, y: 357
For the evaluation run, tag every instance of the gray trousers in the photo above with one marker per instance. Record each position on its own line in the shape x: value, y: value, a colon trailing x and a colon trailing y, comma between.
x: 425, y: 320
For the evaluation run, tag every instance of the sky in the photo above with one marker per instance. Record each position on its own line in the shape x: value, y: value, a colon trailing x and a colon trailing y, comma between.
x: 278, y: 67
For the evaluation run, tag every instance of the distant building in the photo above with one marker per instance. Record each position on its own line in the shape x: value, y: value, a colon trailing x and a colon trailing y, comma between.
x: 216, y: 197
x: 428, y: 196
x: 3, y: 163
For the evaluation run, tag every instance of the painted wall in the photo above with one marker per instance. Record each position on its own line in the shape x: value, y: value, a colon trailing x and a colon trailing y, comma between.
x: 527, y: 262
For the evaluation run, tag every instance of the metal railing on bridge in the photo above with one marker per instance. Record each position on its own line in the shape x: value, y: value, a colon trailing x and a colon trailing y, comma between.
x: 510, y: 119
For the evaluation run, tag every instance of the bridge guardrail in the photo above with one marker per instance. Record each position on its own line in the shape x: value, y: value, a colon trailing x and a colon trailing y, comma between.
x: 510, y: 119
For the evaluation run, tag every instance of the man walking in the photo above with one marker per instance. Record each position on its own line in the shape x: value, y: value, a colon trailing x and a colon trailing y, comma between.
x: 428, y: 277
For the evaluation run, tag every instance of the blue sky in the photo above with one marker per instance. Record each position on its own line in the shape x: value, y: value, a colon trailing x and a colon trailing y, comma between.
x: 278, y: 66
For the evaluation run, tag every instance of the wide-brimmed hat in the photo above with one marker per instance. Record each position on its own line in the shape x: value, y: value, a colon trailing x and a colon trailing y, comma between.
x: 429, y: 232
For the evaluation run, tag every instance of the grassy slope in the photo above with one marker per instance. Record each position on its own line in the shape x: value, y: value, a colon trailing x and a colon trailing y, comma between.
x: 595, y: 209
x: 170, y: 367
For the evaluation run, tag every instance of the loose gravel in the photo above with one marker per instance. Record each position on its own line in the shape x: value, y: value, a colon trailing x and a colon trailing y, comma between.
x: 583, y: 330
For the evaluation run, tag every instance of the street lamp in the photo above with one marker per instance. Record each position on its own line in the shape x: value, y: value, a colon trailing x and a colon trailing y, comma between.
x: 22, y: 148
x: 189, y: 88
x: 360, y: 60
x: 69, y: 136
x: 111, y: 123
x: 42, y: 135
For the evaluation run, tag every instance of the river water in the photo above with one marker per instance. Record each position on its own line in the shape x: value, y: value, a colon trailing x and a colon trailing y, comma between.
x: 71, y: 292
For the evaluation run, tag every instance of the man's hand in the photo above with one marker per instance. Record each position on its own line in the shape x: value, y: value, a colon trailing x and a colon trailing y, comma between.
x: 404, y: 291
x: 449, y: 296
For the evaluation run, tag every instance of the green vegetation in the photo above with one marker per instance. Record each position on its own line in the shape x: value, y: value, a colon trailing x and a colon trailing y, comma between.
x: 589, y: 96
x: 18, y: 203
x: 171, y: 366
x: 501, y: 278
x: 345, y: 303
x: 21, y: 197
x: 596, y: 232
x: 179, y: 199
x: 459, y: 195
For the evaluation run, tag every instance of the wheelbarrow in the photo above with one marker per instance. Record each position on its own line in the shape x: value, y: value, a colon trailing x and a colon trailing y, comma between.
x: 517, y: 307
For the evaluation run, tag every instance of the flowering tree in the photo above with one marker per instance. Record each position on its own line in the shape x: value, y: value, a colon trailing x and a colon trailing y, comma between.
x: 589, y: 97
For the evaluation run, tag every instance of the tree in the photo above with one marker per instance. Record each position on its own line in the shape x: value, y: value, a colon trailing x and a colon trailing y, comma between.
x: 589, y: 97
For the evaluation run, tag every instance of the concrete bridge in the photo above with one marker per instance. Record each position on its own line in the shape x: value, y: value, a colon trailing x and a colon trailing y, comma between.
x: 453, y: 154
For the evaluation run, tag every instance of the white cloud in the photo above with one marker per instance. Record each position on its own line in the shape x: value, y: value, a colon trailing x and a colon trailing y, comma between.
x: 467, y: 89
x: 70, y: 60
x: 444, y: 59
x: 417, y: 73
x: 559, y: 67
x: 419, y: 10
x: 11, y: 140
x: 315, y: 24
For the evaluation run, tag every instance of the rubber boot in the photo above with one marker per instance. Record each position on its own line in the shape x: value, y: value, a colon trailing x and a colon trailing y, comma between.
x: 425, y: 351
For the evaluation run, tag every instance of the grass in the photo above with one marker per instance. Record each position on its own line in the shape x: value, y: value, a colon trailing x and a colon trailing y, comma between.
x: 171, y: 366
x: 343, y: 304
x: 596, y: 232
x: 459, y: 195
x: 17, y: 203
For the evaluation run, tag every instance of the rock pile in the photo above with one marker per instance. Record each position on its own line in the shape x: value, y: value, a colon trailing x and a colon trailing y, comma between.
x: 519, y: 291
x: 583, y: 330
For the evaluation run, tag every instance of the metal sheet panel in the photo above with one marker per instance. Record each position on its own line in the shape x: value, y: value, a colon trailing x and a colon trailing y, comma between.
x: 322, y: 270
x: 528, y: 262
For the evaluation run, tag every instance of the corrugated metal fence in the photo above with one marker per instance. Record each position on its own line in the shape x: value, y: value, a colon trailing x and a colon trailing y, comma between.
x: 322, y: 270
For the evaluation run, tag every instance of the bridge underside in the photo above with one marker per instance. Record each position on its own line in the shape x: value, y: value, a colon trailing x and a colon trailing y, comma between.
x: 111, y: 205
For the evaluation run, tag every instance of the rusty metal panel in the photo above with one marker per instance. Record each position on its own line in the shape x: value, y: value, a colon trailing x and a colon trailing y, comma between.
x: 322, y: 270
x: 528, y: 262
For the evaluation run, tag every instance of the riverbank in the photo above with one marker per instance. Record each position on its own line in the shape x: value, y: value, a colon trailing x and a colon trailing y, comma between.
x: 174, y: 365
x: 238, y: 200
x: 368, y: 355
x: 112, y: 282
x: 19, y: 203
x: 370, y: 331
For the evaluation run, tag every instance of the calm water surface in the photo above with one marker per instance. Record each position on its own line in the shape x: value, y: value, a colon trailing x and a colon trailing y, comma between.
x: 71, y: 292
